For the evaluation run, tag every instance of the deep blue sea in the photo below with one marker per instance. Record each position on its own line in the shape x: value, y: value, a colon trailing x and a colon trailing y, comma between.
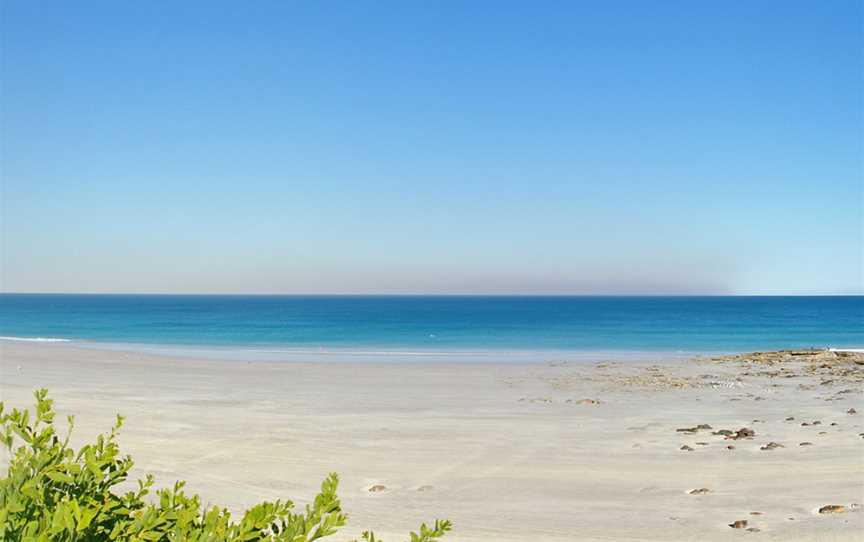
x: 436, y: 324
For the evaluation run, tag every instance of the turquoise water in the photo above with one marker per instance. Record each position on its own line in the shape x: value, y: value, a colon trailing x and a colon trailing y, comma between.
x: 438, y: 324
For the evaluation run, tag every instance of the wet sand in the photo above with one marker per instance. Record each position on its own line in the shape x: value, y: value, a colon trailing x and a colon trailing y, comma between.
x: 555, y: 451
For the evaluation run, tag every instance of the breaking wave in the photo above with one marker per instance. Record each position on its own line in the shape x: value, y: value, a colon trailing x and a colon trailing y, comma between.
x: 36, y: 339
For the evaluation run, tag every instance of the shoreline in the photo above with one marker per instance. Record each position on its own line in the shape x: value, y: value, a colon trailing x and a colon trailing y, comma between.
x: 358, y: 354
x: 382, y: 354
x: 587, y: 450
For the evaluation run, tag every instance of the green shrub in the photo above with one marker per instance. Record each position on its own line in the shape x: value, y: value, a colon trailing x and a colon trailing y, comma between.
x: 53, y: 493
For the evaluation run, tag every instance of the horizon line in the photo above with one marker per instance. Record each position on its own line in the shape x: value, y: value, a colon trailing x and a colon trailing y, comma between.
x: 358, y: 294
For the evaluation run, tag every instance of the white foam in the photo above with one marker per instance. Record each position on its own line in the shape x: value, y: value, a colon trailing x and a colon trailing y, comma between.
x: 36, y: 339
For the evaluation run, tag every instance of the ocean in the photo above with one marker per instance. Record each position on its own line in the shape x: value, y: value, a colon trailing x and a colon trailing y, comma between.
x: 445, y: 327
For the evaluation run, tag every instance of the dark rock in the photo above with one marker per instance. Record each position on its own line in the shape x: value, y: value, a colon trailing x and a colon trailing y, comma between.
x: 744, y: 432
x: 700, y: 491
x: 771, y: 446
x: 832, y: 509
x: 686, y: 448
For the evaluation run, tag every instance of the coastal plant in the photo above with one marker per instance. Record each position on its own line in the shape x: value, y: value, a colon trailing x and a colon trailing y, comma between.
x: 52, y: 492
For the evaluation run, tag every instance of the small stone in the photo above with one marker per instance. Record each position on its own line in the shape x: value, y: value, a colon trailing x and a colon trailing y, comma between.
x: 739, y: 524
x: 686, y: 448
x: 723, y: 432
x: 700, y: 491
x: 693, y: 429
x: 817, y: 422
x: 730, y: 447
x: 832, y: 509
x: 588, y: 402
x: 833, y: 424
x: 377, y: 488
x: 771, y: 446
x: 851, y: 411
x: 806, y: 444
x: 425, y: 488
x: 790, y: 418
x: 753, y: 530
x: 744, y: 432
x: 702, y: 443
x: 755, y: 513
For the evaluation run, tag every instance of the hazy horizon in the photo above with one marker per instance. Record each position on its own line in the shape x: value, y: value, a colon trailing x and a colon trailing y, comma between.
x: 324, y: 294
x: 482, y: 148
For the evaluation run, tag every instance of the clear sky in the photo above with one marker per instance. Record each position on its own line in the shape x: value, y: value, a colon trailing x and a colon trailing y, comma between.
x: 432, y: 147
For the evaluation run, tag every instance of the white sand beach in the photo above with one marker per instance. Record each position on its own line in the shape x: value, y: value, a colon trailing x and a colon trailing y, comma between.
x: 554, y: 452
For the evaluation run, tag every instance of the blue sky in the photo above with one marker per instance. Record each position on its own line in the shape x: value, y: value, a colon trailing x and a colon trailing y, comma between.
x: 432, y: 147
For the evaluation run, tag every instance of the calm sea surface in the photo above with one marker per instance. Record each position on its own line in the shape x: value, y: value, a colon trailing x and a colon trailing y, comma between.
x: 438, y: 324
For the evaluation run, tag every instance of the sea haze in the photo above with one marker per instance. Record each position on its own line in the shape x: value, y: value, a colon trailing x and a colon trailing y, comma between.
x: 436, y: 326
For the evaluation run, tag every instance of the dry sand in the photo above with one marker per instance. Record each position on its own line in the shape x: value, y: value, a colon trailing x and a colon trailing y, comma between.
x: 507, y: 452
